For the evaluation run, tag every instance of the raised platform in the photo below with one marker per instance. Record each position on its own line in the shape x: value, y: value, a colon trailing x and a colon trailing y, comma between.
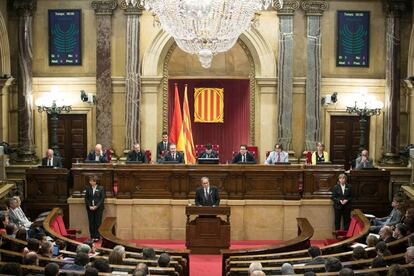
x: 250, y: 219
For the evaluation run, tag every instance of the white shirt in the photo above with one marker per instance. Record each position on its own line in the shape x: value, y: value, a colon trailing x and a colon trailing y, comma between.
x: 93, y: 192
x: 206, y: 191
x: 343, y: 188
x: 273, y: 157
x: 50, y: 162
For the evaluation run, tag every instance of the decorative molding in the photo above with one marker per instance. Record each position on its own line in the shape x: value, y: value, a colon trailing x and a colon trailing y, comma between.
x: 130, y: 9
x: 104, y: 7
x: 314, y: 7
x: 165, y: 76
x: 288, y: 8
x: 25, y: 7
x: 395, y: 8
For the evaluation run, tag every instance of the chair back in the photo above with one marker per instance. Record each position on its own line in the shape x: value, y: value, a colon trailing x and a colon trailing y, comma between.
x: 148, y: 155
x: 61, y: 224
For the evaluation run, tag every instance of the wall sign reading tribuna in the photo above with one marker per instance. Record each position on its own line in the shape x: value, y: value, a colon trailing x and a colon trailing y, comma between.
x: 353, y: 39
x: 65, y: 37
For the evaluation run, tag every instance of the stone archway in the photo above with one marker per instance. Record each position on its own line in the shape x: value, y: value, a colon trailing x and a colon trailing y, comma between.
x: 153, y: 82
x: 5, y: 69
x: 4, y: 48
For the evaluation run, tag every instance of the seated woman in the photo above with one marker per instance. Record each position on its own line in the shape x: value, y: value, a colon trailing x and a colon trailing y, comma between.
x: 117, y: 255
x: 320, y: 155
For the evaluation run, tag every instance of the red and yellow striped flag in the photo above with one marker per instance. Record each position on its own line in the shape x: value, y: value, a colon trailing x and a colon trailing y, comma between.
x: 208, y: 105
x: 185, y: 139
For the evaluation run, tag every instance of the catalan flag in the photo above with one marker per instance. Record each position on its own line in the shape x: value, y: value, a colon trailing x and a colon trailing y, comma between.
x: 185, y: 139
x: 177, y: 119
x: 208, y: 105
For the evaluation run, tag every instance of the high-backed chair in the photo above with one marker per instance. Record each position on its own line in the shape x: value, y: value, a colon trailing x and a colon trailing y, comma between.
x: 201, y: 148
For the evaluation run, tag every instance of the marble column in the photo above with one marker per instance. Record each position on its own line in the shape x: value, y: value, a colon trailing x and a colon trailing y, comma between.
x: 103, y: 12
x: 393, y: 10
x: 314, y: 10
x: 132, y: 75
x: 25, y: 153
x: 285, y: 72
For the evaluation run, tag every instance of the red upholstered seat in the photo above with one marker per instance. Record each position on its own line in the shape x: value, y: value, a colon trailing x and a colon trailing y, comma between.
x: 58, y: 225
x: 148, y: 155
x: 201, y: 148
x: 355, y: 228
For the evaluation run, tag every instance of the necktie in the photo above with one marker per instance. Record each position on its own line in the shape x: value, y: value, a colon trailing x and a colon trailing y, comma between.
x: 165, y: 145
x: 50, y: 162
x: 244, y: 158
x: 278, y: 157
x: 173, y: 156
x: 205, y: 193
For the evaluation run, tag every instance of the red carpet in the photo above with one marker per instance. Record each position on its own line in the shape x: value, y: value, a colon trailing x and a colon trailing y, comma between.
x: 208, y: 265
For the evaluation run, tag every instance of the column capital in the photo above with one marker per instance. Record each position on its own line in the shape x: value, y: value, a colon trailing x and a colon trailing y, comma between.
x: 131, y: 9
x: 314, y: 7
x: 395, y: 8
x: 104, y: 7
x: 288, y: 8
x: 25, y: 7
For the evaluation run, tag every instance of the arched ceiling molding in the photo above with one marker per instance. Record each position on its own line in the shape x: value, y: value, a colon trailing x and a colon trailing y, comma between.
x: 4, y: 47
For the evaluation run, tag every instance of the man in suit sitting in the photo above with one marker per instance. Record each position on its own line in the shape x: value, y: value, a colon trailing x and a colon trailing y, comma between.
x: 51, y: 160
x: 243, y: 156
x: 208, y: 152
x: 173, y: 155
x: 364, y: 161
x: 277, y: 156
x: 97, y: 155
x: 207, y: 195
x: 163, y: 146
x: 136, y: 154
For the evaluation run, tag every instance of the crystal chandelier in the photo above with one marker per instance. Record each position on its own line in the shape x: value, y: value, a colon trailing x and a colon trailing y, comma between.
x: 205, y: 27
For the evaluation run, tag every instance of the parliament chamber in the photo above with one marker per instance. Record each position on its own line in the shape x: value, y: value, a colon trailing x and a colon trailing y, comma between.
x: 216, y: 137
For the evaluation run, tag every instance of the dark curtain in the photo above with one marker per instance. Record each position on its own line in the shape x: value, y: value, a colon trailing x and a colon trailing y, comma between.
x: 235, y: 129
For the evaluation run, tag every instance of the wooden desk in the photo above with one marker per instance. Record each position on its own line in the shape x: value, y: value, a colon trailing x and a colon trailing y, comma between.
x: 46, y: 188
x: 233, y: 181
x: 207, y: 233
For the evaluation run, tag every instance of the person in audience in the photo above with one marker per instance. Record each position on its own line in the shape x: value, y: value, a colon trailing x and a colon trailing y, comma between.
x: 409, y: 222
x: 51, y: 160
x: 21, y: 234
x: 400, y: 231
x: 97, y: 155
x: 287, y: 269
x: 410, y: 240
x: 11, y: 269
x: 143, y: 268
x: 164, y: 260
x: 52, y: 269
x: 207, y: 195
x: 31, y: 258
x: 148, y: 253
x: 139, y: 273
x: 346, y: 271
x: 382, y: 249
x: 33, y: 245
x: 243, y: 156
x: 92, y: 246
x: 17, y: 215
x: 371, y: 241
x: 61, y: 244
x: 41, y: 237
x: 315, y: 253
x: 409, y: 255
x: 91, y: 271
x: 378, y: 262
x: 136, y: 154
x: 208, y: 152
x: 386, y: 234
x: 101, y: 265
x: 255, y: 266
x: 174, y: 155
x: 258, y: 273
x: 94, y: 200
x: 309, y: 273
x: 342, y: 198
x: 117, y: 255
x: 4, y: 220
x: 81, y: 260
x: 46, y: 249
x: 163, y: 146
x: 83, y: 248
x: 397, y: 270
x: 11, y: 230
x: 364, y: 161
x: 359, y: 254
x: 320, y: 155
x: 333, y: 265
x: 393, y: 218
x: 277, y: 156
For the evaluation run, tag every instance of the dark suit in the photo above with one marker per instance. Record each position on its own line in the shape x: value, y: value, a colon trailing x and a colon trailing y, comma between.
x: 211, y: 199
x: 161, y: 149
x: 92, y: 157
x: 95, y: 216
x: 238, y: 158
x: 57, y: 162
x: 204, y: 154
x: 136, y: 156
x: 178, y: 157
x: 343, y: 211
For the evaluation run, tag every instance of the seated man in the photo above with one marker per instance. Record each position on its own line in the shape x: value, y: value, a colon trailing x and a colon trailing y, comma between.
x: 393, y: 218
x: 16, y: 214
x: 163, y: 146
x: 243, y: 156
x: 208, y: 152
x: 51, y: 160
x: 207, y: 195
x: 364, y: 161
x: 173, y: 155
x: 97, y: 155
x: 277, y: 156
x: 136, y: 154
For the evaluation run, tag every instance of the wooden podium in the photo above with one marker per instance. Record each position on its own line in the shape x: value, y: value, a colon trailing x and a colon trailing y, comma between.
x: 207, y: 233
